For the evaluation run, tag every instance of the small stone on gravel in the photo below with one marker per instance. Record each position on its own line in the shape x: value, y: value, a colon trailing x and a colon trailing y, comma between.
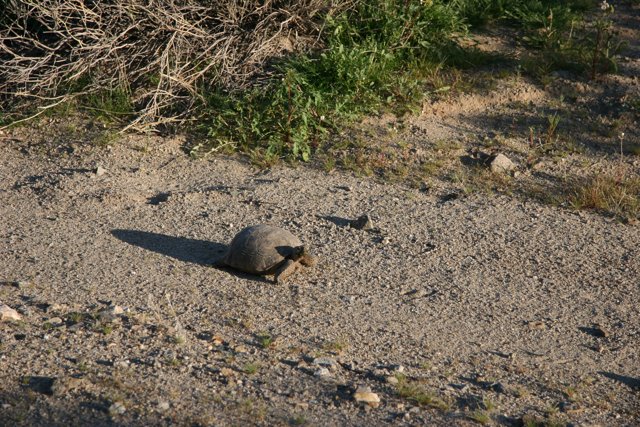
x: 365, y: 395
x: 55, y: 321
x: 502, y: 163
x: 324, y: 361
x: 8, y: 314
x: 322, y: 372
x: 363, y: 222
x: 110, y: 313
x: 117, y: 408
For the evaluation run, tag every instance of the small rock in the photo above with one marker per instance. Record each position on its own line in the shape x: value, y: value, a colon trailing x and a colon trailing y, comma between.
x: 54, y: 308
x: 325, y: 362
x: 363, y: 394
x: 227, y: 372
x: 240, y: 349
x: 55, y: 321
x: 124, y: 363
x: 117, y: 408
x: 392, y: 380
x: 502, y: 163
x: 322, y: 372
x: 163, y: 406
x: 364, y: 222
x: 8, y: 314
x: 100, y: 171
x: 600, y: 331
x: 570, y: 407
x: 498, y: 388
x: 537, y: 325
x: 110, y: 313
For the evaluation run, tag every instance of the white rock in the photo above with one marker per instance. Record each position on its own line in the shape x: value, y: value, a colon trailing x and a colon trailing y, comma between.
x: 117, y: 408
x: 55, y: 321
x: 322, y: 372
x: 110, y: 313
x: 100, y: 171
x: 8, y: 314
x: 163, y: 406
x: 363, y: 394
x: 502, y: 163
x: 392, y: 380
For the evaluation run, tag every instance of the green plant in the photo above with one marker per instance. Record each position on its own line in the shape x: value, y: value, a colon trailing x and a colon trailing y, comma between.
x: 376, y: 55
x: 105, y: 329
x: 76, y: 317
x: 419, y: 395
x: 614, y: 193
x: 265, y: 339
x: 336, y: 346
x: 480, y: 417
x: 250, y: 368
x: 605, y: 42
x: 298, y: 420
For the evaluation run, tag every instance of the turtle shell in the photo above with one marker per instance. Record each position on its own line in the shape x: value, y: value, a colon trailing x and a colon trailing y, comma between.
x: 260, y: 249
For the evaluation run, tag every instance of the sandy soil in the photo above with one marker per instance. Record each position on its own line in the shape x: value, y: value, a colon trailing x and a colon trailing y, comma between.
x: 452, y: 308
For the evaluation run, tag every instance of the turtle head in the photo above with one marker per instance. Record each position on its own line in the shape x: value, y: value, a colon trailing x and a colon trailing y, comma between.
x: 301, y: 254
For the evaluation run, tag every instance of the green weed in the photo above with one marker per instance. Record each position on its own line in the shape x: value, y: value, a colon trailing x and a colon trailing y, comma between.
x: 251, y: 368
x: 376, y: 56
x: 419, y: 395
x: 265, y: 340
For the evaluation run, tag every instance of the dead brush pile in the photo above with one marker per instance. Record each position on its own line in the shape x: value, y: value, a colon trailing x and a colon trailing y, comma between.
x: 159, y: 54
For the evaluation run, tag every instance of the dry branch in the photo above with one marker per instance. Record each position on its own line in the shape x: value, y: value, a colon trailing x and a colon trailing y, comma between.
x: 162, y: 53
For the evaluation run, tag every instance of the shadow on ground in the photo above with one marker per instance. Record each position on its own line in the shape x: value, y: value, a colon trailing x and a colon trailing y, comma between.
x: 194, y: 251
x: 200, y: 252
x: 632, y: 382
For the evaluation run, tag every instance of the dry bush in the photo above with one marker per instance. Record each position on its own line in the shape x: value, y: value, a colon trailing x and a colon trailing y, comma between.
x: 162, y: 54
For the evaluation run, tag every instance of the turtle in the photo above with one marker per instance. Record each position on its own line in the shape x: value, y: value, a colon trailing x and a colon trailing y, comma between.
x: 265, y: 249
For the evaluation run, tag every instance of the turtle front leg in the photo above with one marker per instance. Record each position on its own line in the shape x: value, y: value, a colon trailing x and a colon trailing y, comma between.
x: 285, y: 270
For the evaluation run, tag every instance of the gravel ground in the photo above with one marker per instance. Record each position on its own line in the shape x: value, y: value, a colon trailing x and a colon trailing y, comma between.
x: 448, y: 309
x: 460, y: 306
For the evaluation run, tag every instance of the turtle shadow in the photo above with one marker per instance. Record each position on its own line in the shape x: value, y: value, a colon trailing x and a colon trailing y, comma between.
x: 195, y: 251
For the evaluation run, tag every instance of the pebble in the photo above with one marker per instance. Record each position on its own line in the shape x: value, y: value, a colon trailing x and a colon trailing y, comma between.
x: 600, y: 331
x: 163, y: 406
x: 240, y: 349
x: 227, y: 372
x: 8, y: 314
x: 365, y: 395
x: 122, y: 363
x: 392, y: 380
x: 110, y: 313
x: 100, y: 171
x: 325, y: 362
x: 363, y: 222
x: 537, y: 324
x: 55, y: 321
x: 117, y: 408
x: 502, y: 163
x: 54, y: 308
x: 322, y: 372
